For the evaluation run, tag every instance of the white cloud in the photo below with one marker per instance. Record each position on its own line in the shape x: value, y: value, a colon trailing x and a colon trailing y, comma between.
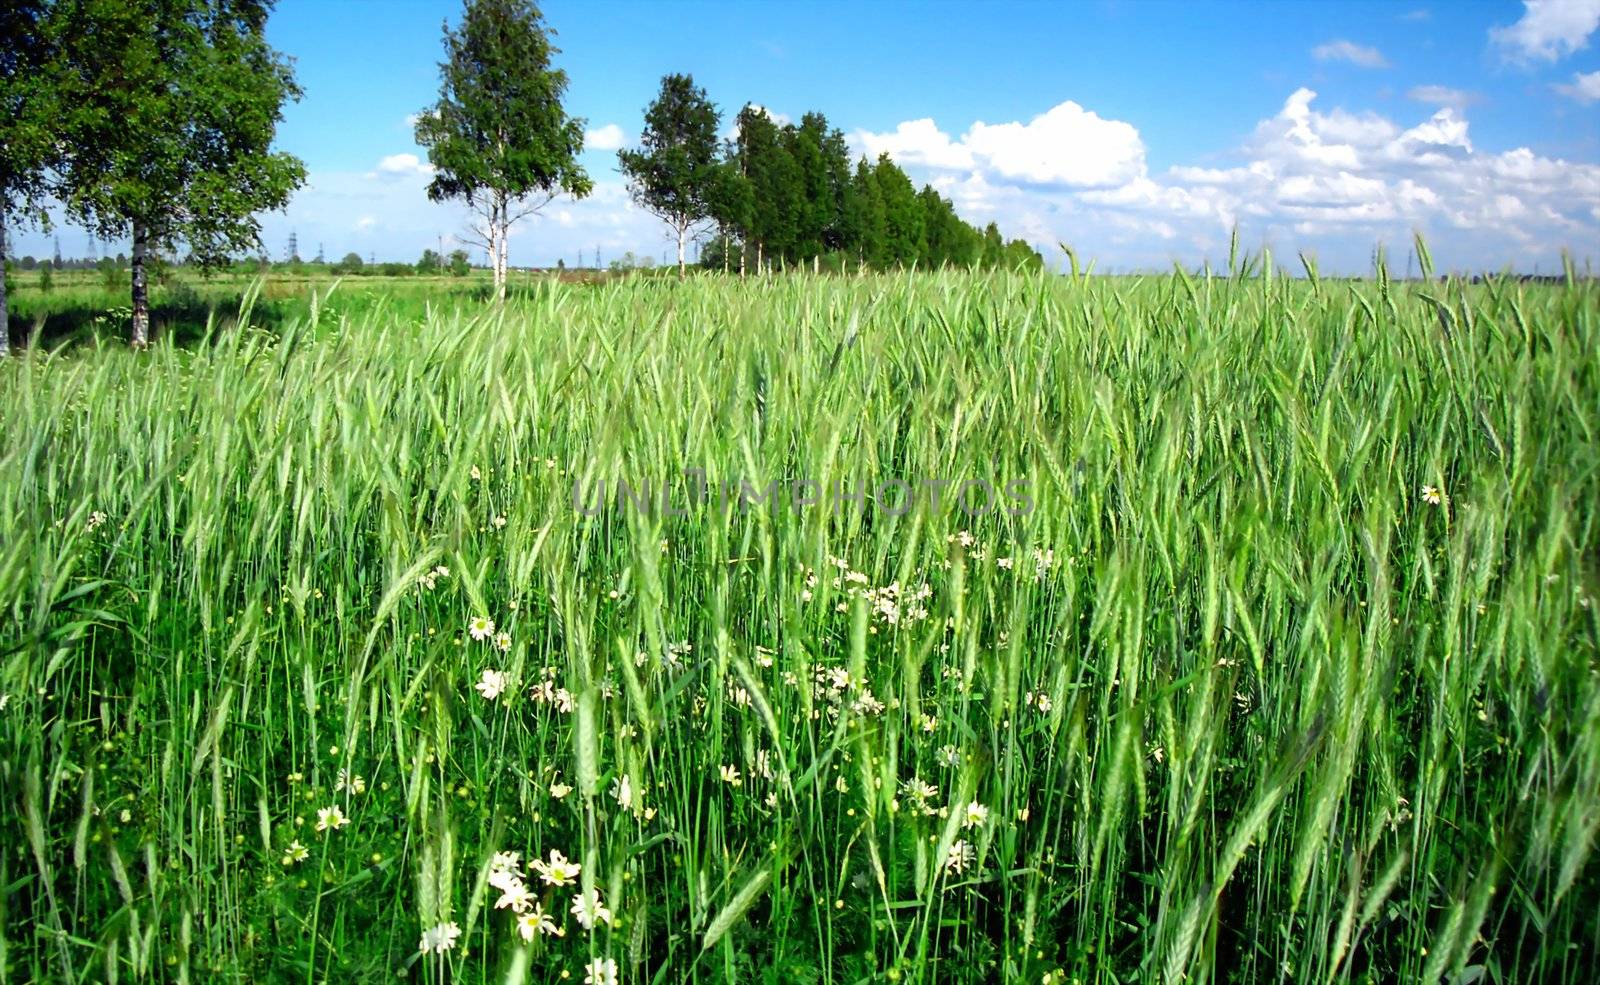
x: 1548, y: 29
x: 1420, y: 14
x: 1349, y: 51
x: 1437, y: 95
x: 608, y: 137
x: 1585, y: 87
x: 365, y: 223
x: 1067, y: 145
x: 1302, y: 135
x: 917, y: 143
x: 1328, y: 179
x: 1440, y: 139
x: 402, y: 165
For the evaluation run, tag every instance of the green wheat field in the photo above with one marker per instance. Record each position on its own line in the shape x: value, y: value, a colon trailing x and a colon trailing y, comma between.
x: 312, y: 668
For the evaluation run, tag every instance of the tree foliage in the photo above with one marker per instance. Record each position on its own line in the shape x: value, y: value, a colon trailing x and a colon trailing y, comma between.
x: 675, y: 175
x: 169, y: 109
x: 786, y: 195
x: 30, y: 123
x: 498, y: 136
x: 30, y: 131
x: 173, y: 107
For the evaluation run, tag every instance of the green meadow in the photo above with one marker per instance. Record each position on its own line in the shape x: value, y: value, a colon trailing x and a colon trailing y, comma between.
x: 1282, y: 668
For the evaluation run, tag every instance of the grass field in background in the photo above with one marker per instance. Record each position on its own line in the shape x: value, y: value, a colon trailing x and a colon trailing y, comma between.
x: 1289, y: 674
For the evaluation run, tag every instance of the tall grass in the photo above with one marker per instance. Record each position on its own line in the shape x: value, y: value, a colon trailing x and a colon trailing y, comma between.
x: 1240, y: 701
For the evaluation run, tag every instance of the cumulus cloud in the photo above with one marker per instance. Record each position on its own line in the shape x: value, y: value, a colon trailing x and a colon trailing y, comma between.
x: 402, y: 166
x: 1325, y: 178
x: 1436, y: 95
x: 918, y: 143
x: 608, y: 137
x: 1349, y: 51
x: 1584, y: 87
x: 1067, y: 145
x: 1548, y: 29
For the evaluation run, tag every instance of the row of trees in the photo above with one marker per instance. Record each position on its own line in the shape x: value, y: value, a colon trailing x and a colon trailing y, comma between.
x: 146, y: 119
x: 787, y: 195
x: 154, y: 119
x: 500, y: 142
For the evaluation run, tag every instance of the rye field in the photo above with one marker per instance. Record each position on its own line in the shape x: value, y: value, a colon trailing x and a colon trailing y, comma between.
x: 920, y: 627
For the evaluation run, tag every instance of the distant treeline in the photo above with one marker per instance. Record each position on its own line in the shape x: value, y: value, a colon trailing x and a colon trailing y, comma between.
x: 785, y: 195
x: 115, y: 271
x: 802, y: 203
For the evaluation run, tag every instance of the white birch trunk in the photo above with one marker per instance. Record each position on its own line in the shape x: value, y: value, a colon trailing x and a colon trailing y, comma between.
x: 681, y: 232
x: 505, y: 254
x: 502, y: 233
x: 5, y: 319
x: 492, y: 240
x: 141, y: 291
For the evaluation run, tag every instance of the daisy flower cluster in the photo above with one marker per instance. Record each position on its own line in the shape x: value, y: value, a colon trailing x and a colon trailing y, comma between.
x: 546, y: 691
x: 676, y: 655
x: 834, y: 688
x: 430, y: 578
x: 481, y: 628
x: 890, y: 604
x: 534, y: 916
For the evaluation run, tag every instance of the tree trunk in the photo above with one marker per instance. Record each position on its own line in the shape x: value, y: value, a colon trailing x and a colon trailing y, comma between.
x: 5, y: 322
x: 502, y: 233
x: 141, y: 292
x: 759, y: 268
x: 493, y: 229
x: 680, y: 253
x: 744, y: 251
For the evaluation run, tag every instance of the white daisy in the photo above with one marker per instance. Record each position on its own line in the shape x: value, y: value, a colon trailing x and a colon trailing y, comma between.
x: 559, y: 871
x: 492, y: 684
x: 588, y: 910
x: 437, y: 940
x: 537, y: 921
x: 331, y: 818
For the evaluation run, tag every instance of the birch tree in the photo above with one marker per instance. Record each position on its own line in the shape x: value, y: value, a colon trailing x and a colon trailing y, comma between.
x: 498, y: 137
x: 673, y: 176
x: 173, y: 108
x: 29, y: 125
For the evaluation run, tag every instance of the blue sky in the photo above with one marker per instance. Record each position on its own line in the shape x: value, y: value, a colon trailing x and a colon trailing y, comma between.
x: 1140, y: 132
